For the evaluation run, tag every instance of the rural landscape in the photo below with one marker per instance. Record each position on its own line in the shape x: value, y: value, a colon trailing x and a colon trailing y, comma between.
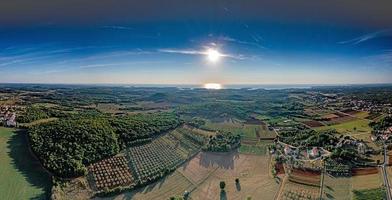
x: 106, y: 142
x: 195, y: 100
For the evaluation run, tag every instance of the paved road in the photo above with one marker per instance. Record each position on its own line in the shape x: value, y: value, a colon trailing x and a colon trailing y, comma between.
x: 385, y: 175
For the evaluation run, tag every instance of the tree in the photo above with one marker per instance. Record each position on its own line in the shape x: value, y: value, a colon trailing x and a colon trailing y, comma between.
x: 222, y: 185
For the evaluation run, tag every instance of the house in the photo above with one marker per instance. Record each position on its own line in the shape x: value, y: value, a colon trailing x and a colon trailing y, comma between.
x: 287, y: 150
x: 361, y: 148
x: 373, y: 138
x: 314, y: 152
x: 10, y: 119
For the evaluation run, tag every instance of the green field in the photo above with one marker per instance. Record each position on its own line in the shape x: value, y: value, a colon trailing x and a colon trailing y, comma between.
x: 247, y: 131
x: 21, y: 175
x: 260, y: 148
x: 360, y: 126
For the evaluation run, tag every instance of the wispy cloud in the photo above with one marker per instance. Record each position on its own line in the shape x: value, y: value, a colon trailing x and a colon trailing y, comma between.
x: 366, y: 37
x: 118, y: 27
x: 200, y: 52
x: 130, y: 63
x: 257, y: 39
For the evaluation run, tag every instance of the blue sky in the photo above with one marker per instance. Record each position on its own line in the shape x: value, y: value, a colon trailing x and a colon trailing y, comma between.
x: 257, y: 49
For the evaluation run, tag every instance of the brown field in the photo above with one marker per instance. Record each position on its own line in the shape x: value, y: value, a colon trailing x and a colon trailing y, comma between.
x: 351, y: 112
x: 313, y: 123
x: 172, y: 185
x: 211, y: 168
x: 364, y: 171
x: 110, y: 173
x: 330, y: 116
x: 305, y: 177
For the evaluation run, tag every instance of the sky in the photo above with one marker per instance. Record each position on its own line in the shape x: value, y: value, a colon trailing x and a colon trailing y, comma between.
x: 165, y: 42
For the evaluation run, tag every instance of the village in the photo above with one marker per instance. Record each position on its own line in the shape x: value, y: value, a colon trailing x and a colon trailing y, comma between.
x: 8, y: 116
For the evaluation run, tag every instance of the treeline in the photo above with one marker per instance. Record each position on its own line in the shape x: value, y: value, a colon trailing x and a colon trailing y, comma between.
x: 33, y: 113
x: 217, y: 110
x: 142, y: 127
x: 66, y: 146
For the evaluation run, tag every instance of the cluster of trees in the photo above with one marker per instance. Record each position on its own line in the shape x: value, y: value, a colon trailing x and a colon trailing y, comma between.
x: 301, y: 136
x: 33, y: 113
x: 382, y: 125
x: 66, y: 146
x: 141, y: 128
x: 216, y: 110
x: 196, y: 122
x: 222, y: 142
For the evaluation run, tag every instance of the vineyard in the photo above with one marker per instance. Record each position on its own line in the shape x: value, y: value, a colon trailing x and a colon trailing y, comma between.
x: 338, y: 169
x: 111, y: 173
x: 146, y: 163
x: 154, y: 160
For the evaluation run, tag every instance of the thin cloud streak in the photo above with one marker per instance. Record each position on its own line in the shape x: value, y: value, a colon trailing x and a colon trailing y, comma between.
x: 366, y: 37
x: 119, y: 64
x: 242, y: 42
x: 118, y: 27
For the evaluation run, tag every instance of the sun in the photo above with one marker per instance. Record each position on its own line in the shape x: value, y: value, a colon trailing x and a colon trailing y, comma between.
x: 213, y: 55
x: 213, y: 86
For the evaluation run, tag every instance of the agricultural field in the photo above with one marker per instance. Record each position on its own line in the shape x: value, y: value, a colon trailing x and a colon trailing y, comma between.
x: 348, y: 187
x: 153, y: 160
x: 22, y: 176
x: 171, y: 185
x: 313, y: 123
x: 111, y: 173
x: 358, y: 114
x: 301, y: 184
x: 260, y: 148
x: 201, y: 176
x: 296, y: 191
x: 354, y: 127
x: 208, y: 169
x: 247, y: 131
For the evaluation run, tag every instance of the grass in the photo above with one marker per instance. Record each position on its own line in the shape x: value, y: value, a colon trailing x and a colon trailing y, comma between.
x: 247, y: 131
x: 361, y: 125
x: 337, y: 187
x: 375, y: 194
x: 355, y: 187
x: 40, y: 121
x: 257, y: 149
x: 361, y: 114
x: 21, y: 174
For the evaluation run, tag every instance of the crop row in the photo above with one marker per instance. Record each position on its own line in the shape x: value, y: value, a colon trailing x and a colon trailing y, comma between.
x: 111, y: 173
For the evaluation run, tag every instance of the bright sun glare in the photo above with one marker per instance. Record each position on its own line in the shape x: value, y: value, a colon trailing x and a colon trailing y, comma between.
x: 213, y: 86
x: 213, y: 55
